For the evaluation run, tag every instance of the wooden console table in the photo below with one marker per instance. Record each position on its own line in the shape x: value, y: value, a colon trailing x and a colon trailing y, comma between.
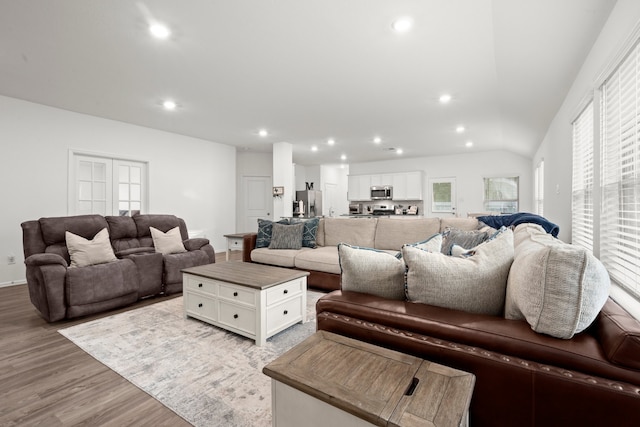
x: 331, y: 380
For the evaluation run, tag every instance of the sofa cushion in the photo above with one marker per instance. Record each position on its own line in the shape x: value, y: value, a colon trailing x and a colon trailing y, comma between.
x: 169, y: 242
x: 371, y: 271
x: 475, y: 284
x: 98, y: 283
x: 357, y: 232
x: 54, y: 229
x: 392, y: 233
x: 557, y: 287
x: 467, y: 224
x: 163, y: 223
x: 121, y: 227
x: 280, y: 258
x: 85, y: 252
x: 286, y: 236
x: 265, y: 228
x: 309, y: 232
x: 323, y: 259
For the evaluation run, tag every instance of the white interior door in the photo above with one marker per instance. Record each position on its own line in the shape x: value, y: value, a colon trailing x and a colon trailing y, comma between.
x: 128, y: 190
x: 258, y: 202
x: 330, y: 199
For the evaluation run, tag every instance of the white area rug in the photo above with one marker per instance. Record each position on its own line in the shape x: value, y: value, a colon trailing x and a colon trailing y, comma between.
x: 208, y: 376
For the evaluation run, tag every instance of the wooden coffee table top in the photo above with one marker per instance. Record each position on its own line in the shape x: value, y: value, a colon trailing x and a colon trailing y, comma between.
x: 381, y: 386
x: 257, y: 276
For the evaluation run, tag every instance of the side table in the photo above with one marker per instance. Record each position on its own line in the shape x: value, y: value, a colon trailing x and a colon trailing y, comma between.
x: 234, y: 242
x: 329, y: 379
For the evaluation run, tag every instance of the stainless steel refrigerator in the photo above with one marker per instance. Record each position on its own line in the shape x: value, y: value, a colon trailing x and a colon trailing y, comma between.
x: 312, y: 202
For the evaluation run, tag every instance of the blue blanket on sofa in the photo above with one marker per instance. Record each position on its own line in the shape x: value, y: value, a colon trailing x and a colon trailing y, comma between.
x: 497, y: 221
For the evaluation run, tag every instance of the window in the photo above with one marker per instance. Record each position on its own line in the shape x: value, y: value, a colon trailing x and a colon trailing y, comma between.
x: 539, y: 190
x: 501, y: 194
x: 620, y: 173
x: 582, y: 180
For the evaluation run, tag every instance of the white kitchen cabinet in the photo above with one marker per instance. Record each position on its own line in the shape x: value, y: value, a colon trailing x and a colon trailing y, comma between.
x: 414, y: 185
x: 359, y: 187
x: 381, y: 180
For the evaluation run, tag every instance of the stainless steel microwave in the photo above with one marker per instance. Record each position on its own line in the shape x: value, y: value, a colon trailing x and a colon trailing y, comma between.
x: 383, y: 192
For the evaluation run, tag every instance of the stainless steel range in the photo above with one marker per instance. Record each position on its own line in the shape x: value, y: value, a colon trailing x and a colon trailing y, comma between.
x: 383, y: 209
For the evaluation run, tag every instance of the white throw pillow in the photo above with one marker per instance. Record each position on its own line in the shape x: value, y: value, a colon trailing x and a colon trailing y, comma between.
x: 84, y: 252
x: 557, y: 287
x: 475, y: 284
x: 169, y: 242
x: 371, y: 271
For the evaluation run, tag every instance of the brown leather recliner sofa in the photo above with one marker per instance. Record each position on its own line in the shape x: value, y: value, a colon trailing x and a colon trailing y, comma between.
x: 59, y: 291
x: 523, y: 377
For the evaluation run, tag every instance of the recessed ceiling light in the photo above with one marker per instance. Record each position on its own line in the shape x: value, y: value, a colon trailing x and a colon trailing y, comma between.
x: 159, y: 31
x: 169, y: 105
x: 399, y: 151
x: 331, y: 141
x: 402, y: 25
x: 469, y: 144
x: 460, y: 129
x: 314, y: 148
x: 343, y: 157
x: 445, y: 98
x: 263, y: 133
x: 377, y: 140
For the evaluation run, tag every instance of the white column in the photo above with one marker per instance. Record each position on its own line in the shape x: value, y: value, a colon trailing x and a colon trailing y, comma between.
x: 283, y: 177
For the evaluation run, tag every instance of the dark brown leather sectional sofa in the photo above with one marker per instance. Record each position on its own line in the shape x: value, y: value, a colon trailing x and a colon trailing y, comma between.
x: 523, y: 378
x: 59, y: 291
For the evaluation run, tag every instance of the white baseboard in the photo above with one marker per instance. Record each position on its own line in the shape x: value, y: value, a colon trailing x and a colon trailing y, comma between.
x: 13, y: 283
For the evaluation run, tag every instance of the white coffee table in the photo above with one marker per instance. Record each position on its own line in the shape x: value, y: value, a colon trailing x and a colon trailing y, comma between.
x: 253, y: 300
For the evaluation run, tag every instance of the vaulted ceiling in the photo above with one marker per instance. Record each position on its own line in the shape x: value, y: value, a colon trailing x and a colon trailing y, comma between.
x: 308, y: 70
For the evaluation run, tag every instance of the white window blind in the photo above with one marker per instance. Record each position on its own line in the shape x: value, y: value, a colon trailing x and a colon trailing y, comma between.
x: 539, y: 190
x: 582, y: 180
x: 620, y: 173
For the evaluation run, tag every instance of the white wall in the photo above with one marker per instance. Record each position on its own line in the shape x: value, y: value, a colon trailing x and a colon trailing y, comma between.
x: 185, y: 174
x: 469, y: 169
x: 556, y: 148
x: 337, y: 175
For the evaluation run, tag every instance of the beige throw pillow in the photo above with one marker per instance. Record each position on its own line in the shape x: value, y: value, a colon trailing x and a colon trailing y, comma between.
x: 84, y: 252
x: 371, y: 271
x: 475, y: 284
x: 557, y: 287
x: 169, y: 242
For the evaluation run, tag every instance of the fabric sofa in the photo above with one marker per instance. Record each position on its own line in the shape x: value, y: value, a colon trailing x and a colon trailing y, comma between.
x: 525, y: 374
x: 59, y: 290
x: 384, y: 233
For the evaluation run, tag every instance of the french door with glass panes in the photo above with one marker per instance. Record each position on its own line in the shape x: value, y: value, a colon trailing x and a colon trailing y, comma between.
x: 106, y: 186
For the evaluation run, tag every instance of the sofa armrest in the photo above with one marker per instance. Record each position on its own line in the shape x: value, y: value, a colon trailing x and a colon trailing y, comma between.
x: 36, y: 260
x: 619, y: 334
x: 248, y: 244
x: 195, y: 243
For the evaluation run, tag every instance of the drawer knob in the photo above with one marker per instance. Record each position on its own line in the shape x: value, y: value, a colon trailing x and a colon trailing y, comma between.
x: 286, y: 312
x: 199, y: 285
x: 200, y: 305
x: 235, y: 294
x: 235, y: 316
x: 286, y: 291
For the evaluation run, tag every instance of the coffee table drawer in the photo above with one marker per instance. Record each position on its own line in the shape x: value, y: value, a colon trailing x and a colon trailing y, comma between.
x: 286, y: 290
x: 284, y: 314
x: 201, y: 285
x: 241, y: 318
x: 199, y: 305
x: 238, y: 294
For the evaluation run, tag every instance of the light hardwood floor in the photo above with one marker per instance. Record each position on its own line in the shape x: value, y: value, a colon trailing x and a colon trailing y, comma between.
x: 46, y: 380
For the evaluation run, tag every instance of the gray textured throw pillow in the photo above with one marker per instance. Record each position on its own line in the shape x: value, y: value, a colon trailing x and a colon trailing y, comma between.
x: 286, y: 236
x: 475, y: 284
x: 371, y: 271
x: 463, y: 238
